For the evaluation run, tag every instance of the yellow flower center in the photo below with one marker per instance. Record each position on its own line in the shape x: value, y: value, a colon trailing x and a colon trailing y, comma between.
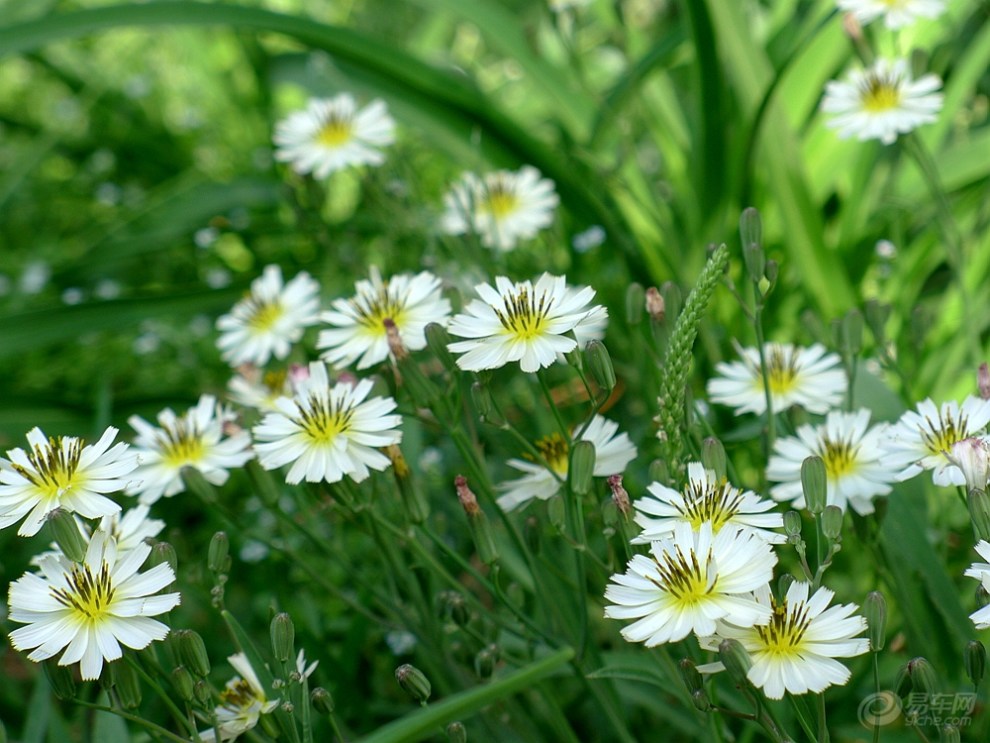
x: 839, y: 457
x: 941, y: 435
x: 554, y: 450
x: 335, y: 133
x: 181, y: 444
x: 713, y: 502
x: 373, y: 310
x: 263, y: 315
x: 54, y: 467
x: 782, y: 374
x: 525, y: 316
x: 880, y: 94
x: 88, y: 596
x: 684, y: 578
x: 322, y: 422
x: 784, y: 635
x: 239, y: 695
x: 500, y: 200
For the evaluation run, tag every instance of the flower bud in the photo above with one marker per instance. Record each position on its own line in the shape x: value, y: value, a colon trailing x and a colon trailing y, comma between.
x: 127, y: 683
x: 481, y: 531
x: 201, y: 690
x: 852, y: 333
x: 792, y: 523
x: 635, y: 303
x: 751, y: 236
x: 486, y: 660
x: 453, y: 607
x: 437, y: 339
x: 183, y: 682
x: 65, y: 531
x: 162, y: 552
x: 322, y: 701
x: 922, y: 675
x: 902, y: 682
x: 877, y: 314
x: 979, y: 511
x: 975, y: 660
x: 832, y: 522
x: 700, y: 700
x: 784, y: 583
x: 875, y: 611
x: 713, y: 457
x: 413, y: 500
x: 581, y: 470
x: 218, y: 555
x: 192, y: 651
x: 557, y: 513
x: 736, y: 661
x: 619, y: 495
x: 690, y: 676
x: 659, y: 472
x: 770, y: 273
x: 671, y: 294
x: 600, y: 365
x: 983, y: 381
x: 948, y: 733
x: 413, y: 682
x: 656, y: 305
x: 814, y: 483
x: 283, y: 635
x: 60, y: 679
x: 456, y: 732
x: 484, y: 404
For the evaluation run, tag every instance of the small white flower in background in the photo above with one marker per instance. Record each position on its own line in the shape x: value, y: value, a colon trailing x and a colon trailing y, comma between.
x: 305, y: 671
x: 972, y: 457
x: 851, y: 452
x: 689, y: 580
x: 194, y: 440
x: 252, y: 388
x: 981, y: 571
x: 91, y: 608
x: 328, y: 431
x: 332, y: 134
x: 359, y: 332
x: 796, y: 651
x: 62, y: 473
x: 882, y: 102
x: 613, y: 451
x: 895, y: 13
x: 502, y: 208
x: 270, y: 319
x: 589, y: 239
x: 705, y: 499
x: 525, y: 323
x: 242, y: 702
x: 922, y: 440
x: 809, y: 377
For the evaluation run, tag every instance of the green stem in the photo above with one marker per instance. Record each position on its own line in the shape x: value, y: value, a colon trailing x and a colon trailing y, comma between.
x: 545, y: 387
x: 177, y: 713
x: 150, y: 726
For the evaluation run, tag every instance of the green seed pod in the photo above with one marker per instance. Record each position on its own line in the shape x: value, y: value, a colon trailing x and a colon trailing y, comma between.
x: 60, y: 679
x: 456, y: 732
x: 486, y: 660
x: 557, y: 513
x: 700, y: 700
x: 814, y: 483
x: 875, y: 611
x: 832, y: 522
x: 127, y: 683
x: 581, y: 470
x: 922, y: 675
x: 659, y: 472
x: 690, y: 676
x: 192, y: 651
x: 600, y: 365
x: 975, y: 660
x: 183, y: 682
x: 792, y: 523
x: 713, y: 457
x: 852, y: 333
x: 283, y: 635
x: 218, y: 555
x: 751, y: 236
x: 484, y: 403
x: 784, y: 583
x: 65, y: 531
x: 413, y: 682
x: 877, y: 314
x: 322, y: 701
x: 437, y: 340
x: 163, y: 552
x: 201, y: 690
x: 635, y: 304
x: 979, y: 511
x: 736, y: 661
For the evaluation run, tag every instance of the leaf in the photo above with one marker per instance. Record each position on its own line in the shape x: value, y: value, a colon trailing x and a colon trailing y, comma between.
x: 108, y: 727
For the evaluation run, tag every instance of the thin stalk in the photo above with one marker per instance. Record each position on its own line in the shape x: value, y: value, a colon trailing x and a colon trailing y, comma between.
x: 150, y: 726
x: 177, y: 713
x: 545, y: 387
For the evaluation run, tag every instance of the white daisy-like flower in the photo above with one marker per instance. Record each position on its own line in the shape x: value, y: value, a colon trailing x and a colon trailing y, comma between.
x: 796, y: 651
x: 129, y: 528
x: 302, y: 668
x: 522, y: 322
x: 360, y: 333
x: 62, y: 473
x: 972, y: 457
x: 91, y: 608
x: 328, y: 431
x: 332, y: 134
x: 851, y: 452
x: 689, y: 580
x: 809, y: 377
x: 194, y: 440
x: 613, y: 451
x: 252, y: 388
x: 270, y: 319
x: 242, y: 702
x: 981, y: 571
x: 895, y: 13
x: 502, y: 208
x: 705, y: 499
x: 923, y: 440
x: 882, y: 102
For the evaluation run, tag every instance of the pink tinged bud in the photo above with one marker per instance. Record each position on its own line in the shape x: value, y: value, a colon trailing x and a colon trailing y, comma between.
x: 298, y: 373
x: 469, y: 500
x: 656, y: 307
x: 619, y: 495
x: 983, y: 381
x: 851, y: 26
x: 972, y: 456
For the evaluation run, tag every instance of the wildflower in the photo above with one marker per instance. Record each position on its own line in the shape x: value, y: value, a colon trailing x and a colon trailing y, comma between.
x: 809, y: 377
x: 501, y: 208
x: 302, y: 668
x: 90, y: 608
x: 972, y: 457
x: 705, y: 499
x: 332, y: 134
x: 270, y: 319
x: 525, y: 323
x: 923, y: 440
x: 359, y: 332
x: 981, y: 571
x: 62, y: 473
x: 253, y: 388
x: 896, y: 13
x: 690, y: 579
x: 194, y: 440
x: 796, y: 651
x: 882, y: 101
x: 612, y: 453
x: 242, y: 702
x: 328, y: 432
x: 851, y: 452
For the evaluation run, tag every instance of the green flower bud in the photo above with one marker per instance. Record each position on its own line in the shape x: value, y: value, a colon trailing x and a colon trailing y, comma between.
x: 852, y: 333
x: 902, y: 682
x: 700, y: 700
x: 979, y: 511
x: 413, y: 682
x: 484, y: 404
x: 600, y: 365
x: 65, y: 531
x: 832, y: 522
x: 690, y: 676
x: 456, y: 732
x: 162, y: 552
x: 201, y: 690
x: 413, y: 499
x: 751, y: 236
x: 218, y: 555
x: 713, y: 457
x: 922, y: 675
x: 581, y: 470
x: 60, y: 679
x: 283, y: 634
x: 975, y: 660
x: 437, y: 340
x: 875, y: 611
x: 192, y: 651
x: 481, y: 531
x: 557, y: 513
x: 453, y: 607
x: 635, y: 303
x: 486, y: 660
x: 659, y: 472
x: 126, y: 682
x: 814, y: 483
x: 183, y: 682
x: 770, y: 272
x: 792, y: 523
x: 877, y: 315
x: 736, y: 661
x: 783, y: 583
x: 322, y: 701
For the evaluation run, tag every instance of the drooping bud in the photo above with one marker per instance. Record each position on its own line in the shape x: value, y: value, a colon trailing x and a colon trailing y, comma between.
x: 656, y: 305
x: 922, y: 675
x: 202, y: 692
x: 600, y: 365
x: 751, y: 235
x: 65, y: 531
x: 983, y: 381
x: 619, y: 495
x: 163, y: 552
x: 635, y: 303
x: 437, y: 339
x: 690, y: 675
x: 192, y: 651
x: 713, y: 457
x: 414, y: 683
x: 481, y: 533
x: 183, y: 682
x: 484, y: 403
x: 486, y: 660
x: 581, y: 470
x: 875, y: 611
x: 127, y: 684
x: 736, y: 661
x: 832, y: 522
x: 975, y: 660
x: 792, y: 523
x: 218, y: 555
x: 283, y: 635
x: 60, y: 679
x: 814, y: 483
x: 456, y: 732
x: 322, y: 700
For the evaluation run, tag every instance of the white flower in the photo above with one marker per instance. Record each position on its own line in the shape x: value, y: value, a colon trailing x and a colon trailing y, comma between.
x: 130, y: 531
x: 689, y: 580
x: 795, y: 652
x: 91, y: 608
x: 981, y: 571
x: 501, y: 208
x: 270, y: 319
x: 851, y: 452
x: 194, y: 440
x: 809, y: 377
x: 359, y: 332
x: 62, y: 473
x: 242, y: 702
x: 332, y: 134
x: 254, y: 389
x: 305, y: 671
x: 972, y: 457
x: 705, y: 499
x: 328, y: 432
x: 524, y: 323
x: 896, y: 13
x: 882, y: 101
x: 922, y: 440
x: 612, y: 454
